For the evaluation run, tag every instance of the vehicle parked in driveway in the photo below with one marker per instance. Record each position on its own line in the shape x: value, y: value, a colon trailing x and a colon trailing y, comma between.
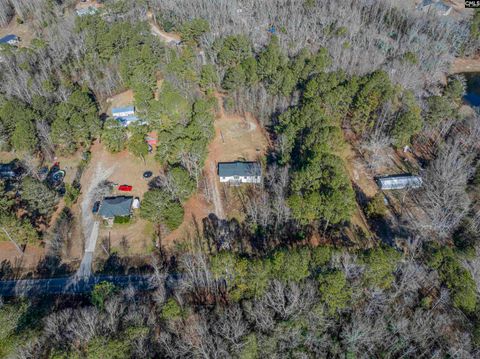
x: 95, y: 207
x: 147, y: 174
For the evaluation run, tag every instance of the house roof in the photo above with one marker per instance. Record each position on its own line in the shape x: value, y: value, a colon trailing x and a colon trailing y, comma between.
x: 228, y: 169
x: 399, y: 182
x: 438, y: 5
x: 125, y: 109
x: 116, y: 207
x: 441, y: 6
x: 8, y: 38
x: 87, y: 11
x: 426, y: 3
x: 130, y: 118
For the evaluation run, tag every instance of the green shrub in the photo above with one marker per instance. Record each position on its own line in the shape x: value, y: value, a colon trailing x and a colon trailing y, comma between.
x: 72, y: 192
x: 320, y: 256
x: 229, y: 104
x: 380, y: 263
x: 410, y: 58
x: 101, y: 292
x: 121, y: 219
x: 191, y: 31
x: 376, y: 207
x: 334, y: 291
x: 106, y: 348
x: 250, y: 347
x: 171, y: 310
x: 291, y: 265
x: 459, y: 280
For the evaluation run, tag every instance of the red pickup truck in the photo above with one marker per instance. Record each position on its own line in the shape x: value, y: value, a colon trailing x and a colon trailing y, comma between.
x: 125, y: 188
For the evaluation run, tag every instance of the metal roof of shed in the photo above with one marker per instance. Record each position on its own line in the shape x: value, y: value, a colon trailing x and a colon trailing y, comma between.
x: 229, y: 169
x: 399, y: 182
x: 91, y: 10
x: 125, y: 109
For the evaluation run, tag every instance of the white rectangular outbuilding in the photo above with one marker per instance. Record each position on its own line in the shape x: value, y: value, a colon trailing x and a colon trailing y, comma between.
x: 399, y: 182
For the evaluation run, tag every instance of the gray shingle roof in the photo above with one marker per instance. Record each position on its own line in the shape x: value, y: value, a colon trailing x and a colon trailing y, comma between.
x: 115, y: 207
x: 228, y: 169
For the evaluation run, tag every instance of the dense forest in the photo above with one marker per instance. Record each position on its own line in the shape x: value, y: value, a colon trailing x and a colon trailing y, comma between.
x: 294, y: 277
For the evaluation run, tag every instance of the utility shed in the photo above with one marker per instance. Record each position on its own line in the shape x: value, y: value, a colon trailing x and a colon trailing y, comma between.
x: 10, y: 39
x: 240, y: 172
x: 399, y: 182
x: 112, y: 207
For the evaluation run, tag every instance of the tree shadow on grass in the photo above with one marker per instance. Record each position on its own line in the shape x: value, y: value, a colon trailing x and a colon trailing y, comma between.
x: 114, y: 265
x: 52, y: 266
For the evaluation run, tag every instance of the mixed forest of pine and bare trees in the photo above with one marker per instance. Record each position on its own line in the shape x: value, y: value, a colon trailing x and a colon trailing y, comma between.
x: 293, y: 278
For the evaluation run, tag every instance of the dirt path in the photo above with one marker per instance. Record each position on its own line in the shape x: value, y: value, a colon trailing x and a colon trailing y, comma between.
x: 465, y: 65
x: 167, y: 37
x: 214, y: 184
x: 24, y: 261
x: 236, y: 138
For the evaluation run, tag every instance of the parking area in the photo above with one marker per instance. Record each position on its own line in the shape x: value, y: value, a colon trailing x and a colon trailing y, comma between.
x: 120, y: 169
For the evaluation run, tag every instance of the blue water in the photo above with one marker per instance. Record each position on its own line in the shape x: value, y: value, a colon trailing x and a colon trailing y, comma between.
x: 472, y: 97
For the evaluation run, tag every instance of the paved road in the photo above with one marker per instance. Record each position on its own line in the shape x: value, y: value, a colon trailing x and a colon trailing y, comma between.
x: 85, y: 269
x: 71, y: 285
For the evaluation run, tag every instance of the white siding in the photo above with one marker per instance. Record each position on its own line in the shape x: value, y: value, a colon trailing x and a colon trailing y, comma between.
x: 241, y: 179
x: 123, y: 114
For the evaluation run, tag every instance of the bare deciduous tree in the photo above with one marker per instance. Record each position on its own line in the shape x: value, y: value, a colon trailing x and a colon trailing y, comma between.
x: 443, y: 197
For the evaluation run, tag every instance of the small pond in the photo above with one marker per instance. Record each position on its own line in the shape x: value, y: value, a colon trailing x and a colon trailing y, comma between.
x: 472, y: 97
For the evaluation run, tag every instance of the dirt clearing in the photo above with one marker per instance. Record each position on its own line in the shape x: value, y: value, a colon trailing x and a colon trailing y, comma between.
x: 87, y: 3
x: 465, y: 65
x: 121, y: 100
x: 119, y: 168
x: 27, y: 261
x: 23, y: 31
x: 236, y: 138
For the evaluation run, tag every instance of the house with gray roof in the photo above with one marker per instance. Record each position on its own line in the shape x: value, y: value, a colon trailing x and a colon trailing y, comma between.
x: 437, y: 6
x: 240, y: 172
x: 112, y: 207
x: 399, y: 182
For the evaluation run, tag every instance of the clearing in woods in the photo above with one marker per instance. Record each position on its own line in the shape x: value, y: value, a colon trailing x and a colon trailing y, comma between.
x: 122, y: 99
x: 22, y: 30
x: 119, y: 168
x: 236, y: 138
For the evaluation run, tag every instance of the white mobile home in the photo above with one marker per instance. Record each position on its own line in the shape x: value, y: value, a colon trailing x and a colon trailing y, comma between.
x: 240, y: 172
x: 399, y: 182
